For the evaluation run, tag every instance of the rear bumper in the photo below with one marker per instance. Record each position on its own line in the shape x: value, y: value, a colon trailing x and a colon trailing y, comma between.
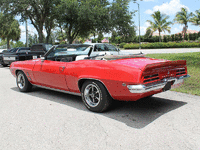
x: 143, y: 88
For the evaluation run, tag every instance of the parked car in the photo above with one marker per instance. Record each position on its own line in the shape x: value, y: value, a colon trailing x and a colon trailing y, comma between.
x: 23, y: 53
x: 99, y: 78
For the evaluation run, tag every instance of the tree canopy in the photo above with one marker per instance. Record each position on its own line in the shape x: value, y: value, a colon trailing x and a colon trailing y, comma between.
x: 39, y: 12
x: 9, y: 29
x: 160, y: 23
x: 196, y: 18
x: 74, y: 17
x: 183, y: 17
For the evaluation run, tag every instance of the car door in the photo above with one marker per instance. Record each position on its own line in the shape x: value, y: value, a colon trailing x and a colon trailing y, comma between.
x: 50, y: 74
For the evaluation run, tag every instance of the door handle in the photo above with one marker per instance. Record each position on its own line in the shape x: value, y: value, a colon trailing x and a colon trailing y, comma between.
x: 61, y: 68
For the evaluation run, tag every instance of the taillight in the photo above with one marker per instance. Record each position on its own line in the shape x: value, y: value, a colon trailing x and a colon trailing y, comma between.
x: 180, y: 71
x: 150, y: 78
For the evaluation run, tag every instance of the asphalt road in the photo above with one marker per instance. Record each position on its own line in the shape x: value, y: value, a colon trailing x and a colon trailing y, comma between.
x: 48, y: 120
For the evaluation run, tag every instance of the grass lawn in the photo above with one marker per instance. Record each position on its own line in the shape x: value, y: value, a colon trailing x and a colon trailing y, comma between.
x: 192, y: 84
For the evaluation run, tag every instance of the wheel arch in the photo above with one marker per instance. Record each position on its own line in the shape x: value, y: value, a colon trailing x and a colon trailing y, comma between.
x: 16, y: 71
x: 82, y: 80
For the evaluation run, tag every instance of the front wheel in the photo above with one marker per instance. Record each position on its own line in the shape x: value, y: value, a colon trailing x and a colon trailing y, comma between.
x: 95, y: 96
x: 22, y: 82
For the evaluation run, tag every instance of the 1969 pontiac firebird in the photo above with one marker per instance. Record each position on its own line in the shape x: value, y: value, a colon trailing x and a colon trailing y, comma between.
x: 99, y: 78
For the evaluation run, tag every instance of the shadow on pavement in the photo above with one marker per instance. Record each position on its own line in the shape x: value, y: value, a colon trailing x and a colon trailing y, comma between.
x: 136, y: 114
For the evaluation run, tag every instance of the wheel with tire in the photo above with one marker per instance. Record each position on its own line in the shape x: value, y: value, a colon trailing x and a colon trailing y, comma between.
x: 95, y: 96
x: 4, y: 65
x: 22, y: 82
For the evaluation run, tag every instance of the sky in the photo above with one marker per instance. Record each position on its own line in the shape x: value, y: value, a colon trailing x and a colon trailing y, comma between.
x: 168, y: 7
x: 147, y: 7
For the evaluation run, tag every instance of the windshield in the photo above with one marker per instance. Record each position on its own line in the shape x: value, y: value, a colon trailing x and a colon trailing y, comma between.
x: 69, y: 50
x: 13, y: 50
x: 104, y: 47
x: 48, y: 46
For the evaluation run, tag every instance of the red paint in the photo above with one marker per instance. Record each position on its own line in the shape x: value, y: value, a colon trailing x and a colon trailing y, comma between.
x: 114, y: 74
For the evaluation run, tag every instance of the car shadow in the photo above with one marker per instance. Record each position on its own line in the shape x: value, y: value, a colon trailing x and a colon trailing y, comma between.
x: 136, y: 114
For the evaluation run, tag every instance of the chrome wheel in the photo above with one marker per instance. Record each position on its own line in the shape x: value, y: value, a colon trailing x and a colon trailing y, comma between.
x: 92, y: 95
x: 21, y: 81
x: 95, y: 96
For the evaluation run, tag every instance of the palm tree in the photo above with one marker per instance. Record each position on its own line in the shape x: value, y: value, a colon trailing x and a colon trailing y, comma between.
x: 160, y: 23
x: 9, y: 29
x: 183, y: 17
x: 196, y: 18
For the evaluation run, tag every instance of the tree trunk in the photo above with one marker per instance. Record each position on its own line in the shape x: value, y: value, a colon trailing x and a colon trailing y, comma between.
x: 159, y: 37
x: 70, y: 40
x: 8, y: 43
x: 185, y: 30
x: 40, y: 33
x: 47, y: 38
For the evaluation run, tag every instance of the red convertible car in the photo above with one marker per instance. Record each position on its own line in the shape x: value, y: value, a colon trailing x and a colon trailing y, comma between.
x: 99, y: 78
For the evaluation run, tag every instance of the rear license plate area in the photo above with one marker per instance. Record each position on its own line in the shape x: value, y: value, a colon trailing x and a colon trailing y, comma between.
x: 167, y: 86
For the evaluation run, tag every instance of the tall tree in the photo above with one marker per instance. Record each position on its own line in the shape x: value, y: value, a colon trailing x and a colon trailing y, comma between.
x: 80, y: 18
x: 121, y: 17
x: 196, y: 18
x: 160, y: 23
x: 9, y: 28
x: 38, y: 11
x: 183, y: 17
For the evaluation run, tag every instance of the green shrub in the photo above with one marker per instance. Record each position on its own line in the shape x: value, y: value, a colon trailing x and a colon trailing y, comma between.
x: 121, y: 45
x: 158, y: 45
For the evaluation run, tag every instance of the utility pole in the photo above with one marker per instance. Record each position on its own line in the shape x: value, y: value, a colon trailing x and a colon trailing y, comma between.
x: 26, y: 34
x: 139, y: 21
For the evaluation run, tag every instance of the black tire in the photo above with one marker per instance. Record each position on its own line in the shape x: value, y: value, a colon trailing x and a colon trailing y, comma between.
x: 22, y: 82
x: 4, y: 65
x: 95, y: 96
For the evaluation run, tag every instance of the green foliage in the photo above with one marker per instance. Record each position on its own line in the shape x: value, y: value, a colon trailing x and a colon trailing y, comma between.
x: 180, y: 37
x: 148, y: 33
x: 183, y: 17
x: 160, y: 23
x: 80, y: 18
x: 41, y: 13
x: 18, y: 44
x: 176, y: 38
x: 196, y: 18
x: 33, y: 39
x: 121, y: 17
x: 121, y: 45
x: 173, y: 37
x: 158, y: 45
x: 100, y: 37
x: 9, y: 28
x: 113, y: 37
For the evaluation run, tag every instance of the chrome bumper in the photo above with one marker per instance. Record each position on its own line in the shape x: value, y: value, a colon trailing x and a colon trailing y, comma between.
x: 143, y: 88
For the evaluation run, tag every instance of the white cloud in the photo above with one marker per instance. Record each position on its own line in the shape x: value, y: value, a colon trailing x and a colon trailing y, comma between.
x: 168, y: 8
x: 143, y: 28
x: 148, y: 0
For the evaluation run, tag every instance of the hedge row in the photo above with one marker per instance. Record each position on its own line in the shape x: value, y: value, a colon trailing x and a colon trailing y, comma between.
x: 158, y: 45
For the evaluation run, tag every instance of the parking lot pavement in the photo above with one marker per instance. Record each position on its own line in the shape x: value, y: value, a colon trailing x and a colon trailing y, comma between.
x: 48, y: 120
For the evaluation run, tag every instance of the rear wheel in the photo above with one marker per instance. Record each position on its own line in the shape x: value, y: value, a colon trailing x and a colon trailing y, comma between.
x: 95, y: 96
x: 22, y: 82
